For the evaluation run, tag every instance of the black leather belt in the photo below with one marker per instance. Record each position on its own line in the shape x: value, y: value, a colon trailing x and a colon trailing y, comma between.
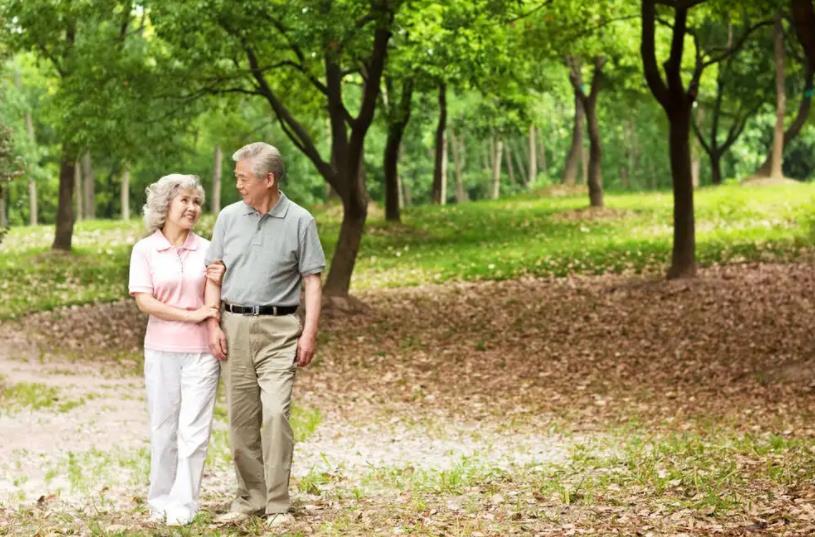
x: 260, y: 310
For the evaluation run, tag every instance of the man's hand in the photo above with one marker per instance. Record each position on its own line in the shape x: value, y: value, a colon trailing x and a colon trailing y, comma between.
x: 217, y: 341
x: 216, y: 271
x: 306, y: 347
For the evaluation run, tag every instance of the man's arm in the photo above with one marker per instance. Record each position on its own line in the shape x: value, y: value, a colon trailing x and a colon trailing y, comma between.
x: 217, y: 338
x: 307, y: 344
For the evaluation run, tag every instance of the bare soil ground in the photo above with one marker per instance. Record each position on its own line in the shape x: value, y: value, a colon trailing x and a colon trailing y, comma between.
x: 598, y: 405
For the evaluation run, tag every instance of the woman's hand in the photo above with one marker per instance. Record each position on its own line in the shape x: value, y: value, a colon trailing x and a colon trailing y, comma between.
x: 203, y: 313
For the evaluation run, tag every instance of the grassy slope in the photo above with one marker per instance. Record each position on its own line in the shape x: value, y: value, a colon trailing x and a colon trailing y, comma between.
x: 501, y: 239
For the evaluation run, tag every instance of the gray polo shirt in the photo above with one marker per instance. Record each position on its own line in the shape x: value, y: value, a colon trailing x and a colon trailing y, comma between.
x: 266, y: 255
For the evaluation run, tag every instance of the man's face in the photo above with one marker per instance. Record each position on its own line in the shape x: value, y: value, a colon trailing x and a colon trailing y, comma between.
x: 252, y: 188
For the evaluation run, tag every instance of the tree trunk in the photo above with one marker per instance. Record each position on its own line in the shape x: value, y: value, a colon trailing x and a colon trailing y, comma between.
x: 573, y: 157
x: 594, y: 173
x: 799, y: 121
x: 544, y: 164
x: 457, y: 147
x: 508, y: 158
x: 683, y: 257
x: 338, y: 281
x: 533, y: 157
x: 89, y: 186
x: 124, y: 193
x: 440, y: 165
x: 595, y: 178
x: 496, y: 169
x: 65, y: 215
x: 217, y: 172
x: 776, y: 170
x: 398, y: 117
x: 391, y: 161
x: 78, y: 190
x: 33, y: 205
x: 803, y: 18
x: 584, y: 164
x: 715, y: 168
x: 520, y: 163
x: 3, y: 207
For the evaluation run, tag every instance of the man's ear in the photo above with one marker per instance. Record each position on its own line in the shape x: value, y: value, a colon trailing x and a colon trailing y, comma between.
x: 271, y: 179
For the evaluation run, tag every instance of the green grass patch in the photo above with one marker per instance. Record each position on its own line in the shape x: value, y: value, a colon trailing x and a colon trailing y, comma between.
x: 523, y: 235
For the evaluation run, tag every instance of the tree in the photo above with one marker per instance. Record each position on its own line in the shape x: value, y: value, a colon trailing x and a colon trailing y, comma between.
x: 11, y: 166
x: 677, y: 102
x: 740, y: 88
x: 298, y: 64
x: 102, y: 72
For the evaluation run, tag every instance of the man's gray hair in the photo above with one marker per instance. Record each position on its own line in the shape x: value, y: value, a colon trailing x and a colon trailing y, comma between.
x: 265, y: 158
x: 162, y: 192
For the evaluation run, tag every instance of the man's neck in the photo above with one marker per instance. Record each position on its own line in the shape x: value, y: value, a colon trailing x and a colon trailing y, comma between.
x: 265, y: 205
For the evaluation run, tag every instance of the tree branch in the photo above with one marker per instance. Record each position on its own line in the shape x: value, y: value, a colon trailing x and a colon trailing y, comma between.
x: 648, y: 54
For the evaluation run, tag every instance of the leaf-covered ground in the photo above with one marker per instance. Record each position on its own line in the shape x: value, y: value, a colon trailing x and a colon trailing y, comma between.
x: 593, y: 405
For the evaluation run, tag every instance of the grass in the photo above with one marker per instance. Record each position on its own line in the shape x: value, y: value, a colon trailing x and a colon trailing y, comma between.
x: 524, y: 235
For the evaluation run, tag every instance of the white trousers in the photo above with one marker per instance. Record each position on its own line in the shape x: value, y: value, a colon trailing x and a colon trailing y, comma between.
x: 180, y: 401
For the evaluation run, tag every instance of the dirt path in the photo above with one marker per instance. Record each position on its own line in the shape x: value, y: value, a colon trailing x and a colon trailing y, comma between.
x: 606, y: 404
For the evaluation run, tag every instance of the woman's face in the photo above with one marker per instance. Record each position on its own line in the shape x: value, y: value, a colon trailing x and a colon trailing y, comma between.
x: 185, y: 209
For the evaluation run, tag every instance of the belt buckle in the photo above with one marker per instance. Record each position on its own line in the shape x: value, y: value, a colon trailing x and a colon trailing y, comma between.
x: 255, y: 311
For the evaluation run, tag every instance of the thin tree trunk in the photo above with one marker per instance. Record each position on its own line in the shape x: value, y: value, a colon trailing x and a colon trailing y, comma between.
x: 391, y: 165
x: 517, y: 157
x: 78, y: 190
x: 397, y: 117
x: 508, y: 158
x: 533, y: 157
x: 89, y: 186
x: 695, y: 165
x: 217, y: 172
x: 799, y: 121
x: 544, y: 163
x: 33, y: 205
x: 456, y: 145
x: 776, y: 170
x: 715, y: 168
x: 124, y: 193
x: 584, y: 164
x: 404, y: 189
x: 440, y: 164
x: 3, y: 207
x: 496, y: 169
x: 65, y: 215
x: 573, y: 157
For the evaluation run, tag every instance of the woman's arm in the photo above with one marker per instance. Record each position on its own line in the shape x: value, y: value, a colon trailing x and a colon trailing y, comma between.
x: 152, y: 306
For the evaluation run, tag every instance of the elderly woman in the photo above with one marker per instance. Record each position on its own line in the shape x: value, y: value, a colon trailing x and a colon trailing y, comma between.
x: 167, y: 279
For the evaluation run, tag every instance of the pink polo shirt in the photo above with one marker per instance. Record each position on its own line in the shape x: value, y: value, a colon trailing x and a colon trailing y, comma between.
x: 175, y: 275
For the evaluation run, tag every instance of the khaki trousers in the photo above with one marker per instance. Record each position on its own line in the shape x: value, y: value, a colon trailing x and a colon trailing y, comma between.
x: 258, y: 375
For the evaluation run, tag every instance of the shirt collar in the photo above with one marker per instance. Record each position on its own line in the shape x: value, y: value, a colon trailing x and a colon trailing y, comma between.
x: 162, y: 244
x: 278, y: 211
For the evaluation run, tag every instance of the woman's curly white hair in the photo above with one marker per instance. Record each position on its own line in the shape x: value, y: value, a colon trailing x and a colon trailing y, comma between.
x: 162, y: 192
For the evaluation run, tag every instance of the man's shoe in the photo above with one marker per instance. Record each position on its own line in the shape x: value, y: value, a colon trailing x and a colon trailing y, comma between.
x: 279, y: 520
x: 232, y: 517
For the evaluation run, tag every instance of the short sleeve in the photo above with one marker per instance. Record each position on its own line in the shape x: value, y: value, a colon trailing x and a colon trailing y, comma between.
x: 216, y: 245
x: 141, y: 280
x: 311, y: 259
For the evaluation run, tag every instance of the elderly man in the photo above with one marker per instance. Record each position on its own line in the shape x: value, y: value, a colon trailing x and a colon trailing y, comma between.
x: 268, y: 246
